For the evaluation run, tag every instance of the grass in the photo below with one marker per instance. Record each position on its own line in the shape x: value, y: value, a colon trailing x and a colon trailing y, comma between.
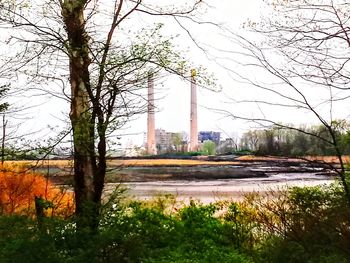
x: 130, y: 162
x: 327, y: 159
x: 64, y: 164
x: 172, y: 162
x: 42, y: 163
x: 166, y: 162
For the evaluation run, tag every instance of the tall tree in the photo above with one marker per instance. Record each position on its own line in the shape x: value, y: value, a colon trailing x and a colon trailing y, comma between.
x: 106, y: 68
x: 300, y: 56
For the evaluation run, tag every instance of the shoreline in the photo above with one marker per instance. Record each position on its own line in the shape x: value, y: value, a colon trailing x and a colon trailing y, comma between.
x: 150, y: 170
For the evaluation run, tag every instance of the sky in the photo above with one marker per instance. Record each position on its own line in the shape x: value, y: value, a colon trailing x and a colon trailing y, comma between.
x: 173, y: 94
x: 173, y: 103
x: 174, y: 110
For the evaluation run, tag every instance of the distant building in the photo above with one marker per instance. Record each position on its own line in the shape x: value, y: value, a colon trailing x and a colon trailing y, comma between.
x: 209, y: 135
x: 163, y: 140
x: 168, y: 142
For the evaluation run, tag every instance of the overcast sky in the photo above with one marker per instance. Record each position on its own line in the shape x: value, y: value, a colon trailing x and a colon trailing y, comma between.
x: 173, y: 94
x: 173, y: 104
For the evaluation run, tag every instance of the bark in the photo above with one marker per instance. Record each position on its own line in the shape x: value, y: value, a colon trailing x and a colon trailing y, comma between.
x: 91, y: 107
x: 39, y: 211
x: 88, y: 180
x: 4, y: 124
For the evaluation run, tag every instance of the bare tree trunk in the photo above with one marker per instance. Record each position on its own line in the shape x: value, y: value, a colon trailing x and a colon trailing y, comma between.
x: 116, y: 71
x: 85, y: 169
x: 4, y: 123
x: 39, y: 211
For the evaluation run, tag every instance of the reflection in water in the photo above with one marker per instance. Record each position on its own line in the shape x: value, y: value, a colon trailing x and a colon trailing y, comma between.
x: 212, y: 190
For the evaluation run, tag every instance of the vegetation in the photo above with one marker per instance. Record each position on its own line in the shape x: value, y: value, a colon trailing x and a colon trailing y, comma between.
x: 99, y: 69
x: 19, y: 188
x: 98, y: 72
x: 298, y: 225
x: 297, y: 141
x: 299, y: 56
x: 208, y: 147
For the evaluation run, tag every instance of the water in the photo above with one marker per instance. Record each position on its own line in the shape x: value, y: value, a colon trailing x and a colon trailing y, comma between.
x: 212, y: 190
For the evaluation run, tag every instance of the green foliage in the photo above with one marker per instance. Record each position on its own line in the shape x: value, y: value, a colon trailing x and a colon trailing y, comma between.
x: 308, y: 224
x: 239, y: 227
x: 298, y: 141
x: 191, y: 154
x: 299, y: 225
x: 21, y: 241
x: 208, y: 147
x: 127, y: 233
x: 199, y: 236
x: 243, y: 152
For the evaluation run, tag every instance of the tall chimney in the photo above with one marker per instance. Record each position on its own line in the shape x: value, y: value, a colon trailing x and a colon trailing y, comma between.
x: 193, y: 117
x: 151, y: 134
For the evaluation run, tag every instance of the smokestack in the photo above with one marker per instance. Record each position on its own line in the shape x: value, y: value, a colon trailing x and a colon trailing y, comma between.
x: 151, y: 134
x: 193, y: 117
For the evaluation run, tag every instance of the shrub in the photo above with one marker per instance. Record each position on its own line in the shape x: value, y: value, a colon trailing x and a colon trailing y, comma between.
x: 309, y: 224
x: 208, y: 147
x: 239, y: 227
x: 299, y: 225
x: 19, y: 187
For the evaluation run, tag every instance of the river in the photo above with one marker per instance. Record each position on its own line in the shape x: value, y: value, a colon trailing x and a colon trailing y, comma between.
x: 208, y: 191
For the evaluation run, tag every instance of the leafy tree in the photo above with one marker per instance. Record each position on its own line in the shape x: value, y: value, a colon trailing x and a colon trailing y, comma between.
x: 177, y: 141
x: 289, y: 142
x: 208, y: 147
x: 19, y: 188
x: 84, y: 43
x: 250, y: 140
x: 301, y: 49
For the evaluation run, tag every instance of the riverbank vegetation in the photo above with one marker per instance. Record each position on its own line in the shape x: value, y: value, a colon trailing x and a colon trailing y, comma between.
x: 296, y: 225
x: 22, y: 191
x: 298, y: 140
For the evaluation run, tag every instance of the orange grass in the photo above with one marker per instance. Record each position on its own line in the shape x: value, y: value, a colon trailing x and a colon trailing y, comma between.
x: 165, y: 162
x: 40, y: 163
x: 120, y: 162
x: 266, y: 158
x: 328, y: 159
x: 18, y: 189
x: 170, y: 162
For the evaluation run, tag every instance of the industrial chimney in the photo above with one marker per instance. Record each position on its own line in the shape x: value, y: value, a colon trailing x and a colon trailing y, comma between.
x: 193, y: 116
x: 151, y: 135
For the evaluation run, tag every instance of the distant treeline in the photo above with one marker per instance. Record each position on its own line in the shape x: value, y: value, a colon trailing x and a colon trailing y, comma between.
x: 298, y: 141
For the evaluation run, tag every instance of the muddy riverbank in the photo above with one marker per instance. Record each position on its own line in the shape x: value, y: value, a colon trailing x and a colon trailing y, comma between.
x: 207, y: 179
x: 131, y: 171
x: 222, y: 189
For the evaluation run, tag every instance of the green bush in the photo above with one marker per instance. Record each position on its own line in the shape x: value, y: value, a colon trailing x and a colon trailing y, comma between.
x: 309, y: 224
x: 208, y: 147
x: 198, y: 236
x: 300, y: 225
